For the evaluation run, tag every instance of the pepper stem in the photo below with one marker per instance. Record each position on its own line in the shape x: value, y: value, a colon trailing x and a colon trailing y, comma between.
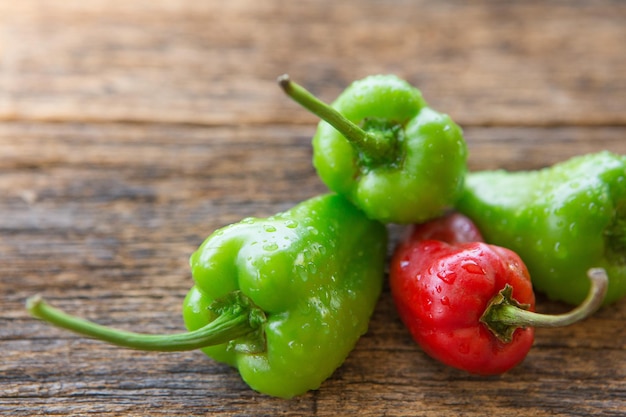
x: 375, y: 145
x: 504, y: 314
x: 235, y: 319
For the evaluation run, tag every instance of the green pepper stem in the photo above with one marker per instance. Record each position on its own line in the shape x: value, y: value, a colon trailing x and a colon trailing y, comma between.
x: 375, y: 146
x: 226, y: 327
x: 504, y: 314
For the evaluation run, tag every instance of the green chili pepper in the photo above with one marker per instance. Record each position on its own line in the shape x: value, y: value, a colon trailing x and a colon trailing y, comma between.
x: 283, y: 299
x: 382, y: 147
x: 561, y: 220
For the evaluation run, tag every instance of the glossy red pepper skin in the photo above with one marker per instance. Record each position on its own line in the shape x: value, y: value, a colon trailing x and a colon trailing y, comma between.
x: 442, y: 278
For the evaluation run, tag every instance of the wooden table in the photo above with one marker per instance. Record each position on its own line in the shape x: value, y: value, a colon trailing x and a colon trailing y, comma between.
x: 129, y: 131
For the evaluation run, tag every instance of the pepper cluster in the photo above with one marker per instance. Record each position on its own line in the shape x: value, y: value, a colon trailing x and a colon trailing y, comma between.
x: 284, y: 299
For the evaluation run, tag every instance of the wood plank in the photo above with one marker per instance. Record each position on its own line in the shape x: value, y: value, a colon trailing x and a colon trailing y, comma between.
x: 107, y: 236
x: 484, y: 62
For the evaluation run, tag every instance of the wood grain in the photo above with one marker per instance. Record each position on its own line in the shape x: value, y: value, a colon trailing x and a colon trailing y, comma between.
x: 484, y: 62
x: 129, y: 131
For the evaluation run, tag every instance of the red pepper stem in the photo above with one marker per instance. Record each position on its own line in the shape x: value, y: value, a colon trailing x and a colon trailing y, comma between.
x: 504, y: 314
x: 375, y: 146
x: 229, y: 325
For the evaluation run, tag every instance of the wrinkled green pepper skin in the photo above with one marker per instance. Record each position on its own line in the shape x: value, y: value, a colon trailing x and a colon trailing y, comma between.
x: 424, y: 174
x: 316, y: 271
x: 561, y: 220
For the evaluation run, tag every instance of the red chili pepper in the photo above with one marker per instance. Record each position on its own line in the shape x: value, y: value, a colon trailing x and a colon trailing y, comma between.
x: 469, y: 304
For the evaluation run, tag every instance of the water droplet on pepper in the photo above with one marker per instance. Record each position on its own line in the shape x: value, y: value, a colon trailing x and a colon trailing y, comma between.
x: 472, y: 267
x: 271, y: 246
x: 291, y: 224
x: 447, y: 276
